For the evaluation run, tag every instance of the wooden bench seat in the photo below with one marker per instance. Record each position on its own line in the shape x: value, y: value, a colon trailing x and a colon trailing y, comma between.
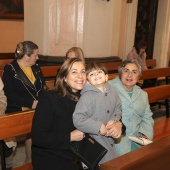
x: 12, y: 125
x: 154, y: 156
x: 161, y: 128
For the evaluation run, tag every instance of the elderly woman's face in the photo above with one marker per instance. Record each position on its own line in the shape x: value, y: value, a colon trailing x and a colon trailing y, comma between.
x: 130, y: 76
x: 76, y: 77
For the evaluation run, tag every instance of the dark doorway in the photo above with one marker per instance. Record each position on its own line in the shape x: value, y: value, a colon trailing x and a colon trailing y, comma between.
x: 146, y: 23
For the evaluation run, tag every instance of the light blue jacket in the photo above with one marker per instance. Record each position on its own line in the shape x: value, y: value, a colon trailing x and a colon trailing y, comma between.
x: 136, y: 115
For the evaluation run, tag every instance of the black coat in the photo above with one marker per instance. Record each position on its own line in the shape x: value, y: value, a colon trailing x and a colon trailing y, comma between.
x: 52, y: 124
x: 19, y: 90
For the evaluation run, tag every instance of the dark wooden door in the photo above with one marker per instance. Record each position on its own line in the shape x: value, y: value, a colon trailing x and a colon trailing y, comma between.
x: 146, y: 23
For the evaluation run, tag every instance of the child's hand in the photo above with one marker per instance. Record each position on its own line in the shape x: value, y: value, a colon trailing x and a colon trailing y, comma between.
x: 103, y: 130
x: 110, y: 122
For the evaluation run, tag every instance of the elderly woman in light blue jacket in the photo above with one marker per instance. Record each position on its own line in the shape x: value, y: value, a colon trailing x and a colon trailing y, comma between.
x: 136, y: 113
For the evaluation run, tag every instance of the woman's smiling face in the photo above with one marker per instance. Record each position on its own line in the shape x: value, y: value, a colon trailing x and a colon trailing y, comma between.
x: 76, y: 77
x: 130, y: 76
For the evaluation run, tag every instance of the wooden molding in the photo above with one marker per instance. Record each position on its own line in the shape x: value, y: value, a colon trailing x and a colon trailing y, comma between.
x: 129, y: 1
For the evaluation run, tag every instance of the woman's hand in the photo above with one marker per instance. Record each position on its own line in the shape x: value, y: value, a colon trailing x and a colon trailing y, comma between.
x: 34, y: 105
x: 114, y: 129
x: 76, y: 135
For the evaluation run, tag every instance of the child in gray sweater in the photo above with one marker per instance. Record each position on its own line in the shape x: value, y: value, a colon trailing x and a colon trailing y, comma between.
x: 98, y: 110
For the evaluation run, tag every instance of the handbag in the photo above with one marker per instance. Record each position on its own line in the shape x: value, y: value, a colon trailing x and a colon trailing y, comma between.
x: 89, y: 151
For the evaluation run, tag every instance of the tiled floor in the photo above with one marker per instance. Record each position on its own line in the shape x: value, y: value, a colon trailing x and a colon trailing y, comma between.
x: 19, y: 156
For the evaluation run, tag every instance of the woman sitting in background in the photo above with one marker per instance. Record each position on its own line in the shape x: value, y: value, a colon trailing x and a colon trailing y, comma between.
x: 138, y: 53
x: 75, y: 52
x: 136, y: 113
x: 23, y: 82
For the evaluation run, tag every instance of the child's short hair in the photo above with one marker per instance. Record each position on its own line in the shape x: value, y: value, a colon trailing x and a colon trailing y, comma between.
x: 95, y: 66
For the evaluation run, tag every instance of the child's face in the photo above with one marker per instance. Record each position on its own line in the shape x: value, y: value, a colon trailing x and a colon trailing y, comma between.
x: 97, y: 78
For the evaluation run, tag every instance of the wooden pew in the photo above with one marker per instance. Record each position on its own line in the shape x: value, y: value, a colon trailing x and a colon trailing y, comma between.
x: 50, y: 83
x: 153, y: 156
x: 15, y: 124
x: 1, y: 72
x: 50, y: 71
x: 161, y: 128
x: 158, y: 93
x: 155, y: 94
x: 150, y: 74
x: 113, y: 66
x: 21, y: 122
x: 3, y: 62
x: 156, y: 73
x: 151, y: 63
x: 147, y: 74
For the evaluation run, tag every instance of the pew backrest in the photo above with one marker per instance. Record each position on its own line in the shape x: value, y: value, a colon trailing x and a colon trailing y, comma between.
x: 155, y: 73
x: 151, y: 63
x: 50, y: 71
x: 150, y: 74
x: 113, y: 66
x: 3, y: 62
x: 50, y: 83
x: 15, y: 124
x: 158, y: 93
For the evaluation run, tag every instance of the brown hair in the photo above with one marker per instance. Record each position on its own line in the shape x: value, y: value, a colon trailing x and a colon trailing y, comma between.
x: 95, y: 66
x: 78, y: 53
x: 61, y: 87
x: 25, y: 47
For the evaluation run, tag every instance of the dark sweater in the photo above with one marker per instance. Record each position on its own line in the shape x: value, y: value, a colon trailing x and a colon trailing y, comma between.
x: 52, y: 124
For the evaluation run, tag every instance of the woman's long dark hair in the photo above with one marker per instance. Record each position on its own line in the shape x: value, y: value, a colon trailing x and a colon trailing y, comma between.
x: 61, y: 87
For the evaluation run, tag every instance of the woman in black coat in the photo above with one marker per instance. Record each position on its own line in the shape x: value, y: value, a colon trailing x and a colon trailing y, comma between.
x: 23, y: 82
x: 52, y: 128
